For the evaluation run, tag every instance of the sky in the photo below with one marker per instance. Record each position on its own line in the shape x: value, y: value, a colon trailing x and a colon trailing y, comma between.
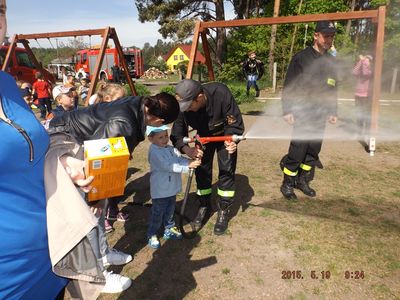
x: 30, y: 16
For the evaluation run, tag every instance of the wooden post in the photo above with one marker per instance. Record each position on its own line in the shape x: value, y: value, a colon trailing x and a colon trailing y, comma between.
x: 11, y: 48
x: 99, y: 62
x: 193, y: 50
x: 207, y: 55
x: 274, y: 28
x: 123, y: 62
x: 376, y: 92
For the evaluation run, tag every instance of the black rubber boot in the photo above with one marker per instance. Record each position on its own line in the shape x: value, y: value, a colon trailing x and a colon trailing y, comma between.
x: 303, y: 181
x: 287, y: 187
x: 221, y: 225
x: 257, y: 93
x: 204, y: 210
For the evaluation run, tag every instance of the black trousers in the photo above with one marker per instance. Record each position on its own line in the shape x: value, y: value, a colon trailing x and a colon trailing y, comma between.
x: 226, y: 166
x: 306, y: 142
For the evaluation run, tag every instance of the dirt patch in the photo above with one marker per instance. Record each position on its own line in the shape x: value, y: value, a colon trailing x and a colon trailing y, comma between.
x: 352, y: 225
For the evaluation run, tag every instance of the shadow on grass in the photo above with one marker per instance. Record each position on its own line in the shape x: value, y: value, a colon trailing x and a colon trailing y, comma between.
x: 254, y: 113
x: 340, y: 210
x: 244, y: 194
x: 169, y: 275
x: 139, y: 188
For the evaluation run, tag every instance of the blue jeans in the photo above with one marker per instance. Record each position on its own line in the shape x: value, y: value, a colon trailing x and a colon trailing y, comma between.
x: 252, y: 81
x: 162, y: 213
x: 44, y: 105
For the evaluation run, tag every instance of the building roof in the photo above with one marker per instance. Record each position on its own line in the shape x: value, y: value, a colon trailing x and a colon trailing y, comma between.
x: 186, y: 49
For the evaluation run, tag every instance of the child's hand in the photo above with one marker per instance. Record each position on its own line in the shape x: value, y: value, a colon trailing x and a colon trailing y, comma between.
x: 195, y: 163
x: 193, y: 152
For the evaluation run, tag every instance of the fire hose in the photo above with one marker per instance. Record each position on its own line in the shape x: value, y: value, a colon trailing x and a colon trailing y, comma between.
x: 199, y: 143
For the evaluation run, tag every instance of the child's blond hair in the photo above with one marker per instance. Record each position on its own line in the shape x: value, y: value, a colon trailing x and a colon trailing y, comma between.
x: 111, y: 90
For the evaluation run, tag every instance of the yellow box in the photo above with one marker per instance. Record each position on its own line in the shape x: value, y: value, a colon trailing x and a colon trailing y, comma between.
x: 107, y: 161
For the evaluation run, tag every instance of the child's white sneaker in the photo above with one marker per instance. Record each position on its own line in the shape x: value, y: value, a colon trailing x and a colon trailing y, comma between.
x: 115, y: 283
x: 116, y: 258
x: 154, y: 242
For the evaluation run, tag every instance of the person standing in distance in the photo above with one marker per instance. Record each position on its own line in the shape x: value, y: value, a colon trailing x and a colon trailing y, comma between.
x: 362, y: 96
x: 211, y: 110
x: 309, y: 99
x: 253, y: 70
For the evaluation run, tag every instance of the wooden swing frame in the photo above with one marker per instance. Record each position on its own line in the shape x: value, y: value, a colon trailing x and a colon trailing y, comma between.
x: 107, y: 34
x: 377, y: 16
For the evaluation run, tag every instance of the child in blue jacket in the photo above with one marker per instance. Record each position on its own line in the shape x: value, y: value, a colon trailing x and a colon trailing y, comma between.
x: 166, y: 166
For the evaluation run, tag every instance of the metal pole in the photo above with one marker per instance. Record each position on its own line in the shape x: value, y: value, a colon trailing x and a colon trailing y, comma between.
x: 305, y: 37
x: 274, y: 77
x: 394, y: 80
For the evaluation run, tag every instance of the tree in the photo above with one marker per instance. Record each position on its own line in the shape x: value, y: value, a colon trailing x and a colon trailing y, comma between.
x: 151, y: 54
x: 177, y: 18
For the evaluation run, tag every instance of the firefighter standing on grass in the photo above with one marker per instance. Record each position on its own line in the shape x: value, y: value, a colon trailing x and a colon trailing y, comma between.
x: 211, y: 110
x: 309, y: 99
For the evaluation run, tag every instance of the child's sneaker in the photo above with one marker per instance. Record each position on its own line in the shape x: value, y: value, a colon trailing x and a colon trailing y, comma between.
x: 115, y: 283
x: 116, y: 258
x: 121, y: 217
x: 154, y: 242
x: 107, y: 226
x: 172, y: 234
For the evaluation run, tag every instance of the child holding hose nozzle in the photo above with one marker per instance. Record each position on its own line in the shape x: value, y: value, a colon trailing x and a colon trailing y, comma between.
x: 211, y: 110
x: 166, y: 164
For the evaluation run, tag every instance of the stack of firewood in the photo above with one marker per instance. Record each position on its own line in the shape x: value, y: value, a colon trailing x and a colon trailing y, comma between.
x: 154, y: 73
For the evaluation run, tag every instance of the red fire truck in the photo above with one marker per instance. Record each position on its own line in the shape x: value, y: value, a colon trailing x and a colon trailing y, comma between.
x: 21, y: 67
x: 85, y: 61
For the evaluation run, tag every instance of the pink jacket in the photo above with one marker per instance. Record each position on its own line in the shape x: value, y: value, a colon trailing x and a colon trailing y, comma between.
x: 362, y: 70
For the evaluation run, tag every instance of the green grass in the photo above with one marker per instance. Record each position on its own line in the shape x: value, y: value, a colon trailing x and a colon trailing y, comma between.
x: 351, y: 225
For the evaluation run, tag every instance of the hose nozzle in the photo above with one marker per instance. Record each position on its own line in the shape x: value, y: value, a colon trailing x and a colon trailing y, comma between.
x: 237, y: 138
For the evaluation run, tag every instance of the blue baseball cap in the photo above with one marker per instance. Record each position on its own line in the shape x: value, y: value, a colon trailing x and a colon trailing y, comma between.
x: 152, y: 129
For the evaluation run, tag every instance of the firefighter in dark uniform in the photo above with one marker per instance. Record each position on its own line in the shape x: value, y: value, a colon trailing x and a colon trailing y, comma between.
x: 211, y: 110
x: 253, y: 70
x: 309, y: 99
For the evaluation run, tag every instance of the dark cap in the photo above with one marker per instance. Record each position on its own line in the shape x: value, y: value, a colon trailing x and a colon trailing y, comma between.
x: 325, y: 27
x: 186, y: 91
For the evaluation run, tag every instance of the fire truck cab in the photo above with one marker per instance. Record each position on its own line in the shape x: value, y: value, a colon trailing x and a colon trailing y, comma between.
x: 85, y: 61
x: 21, y: 67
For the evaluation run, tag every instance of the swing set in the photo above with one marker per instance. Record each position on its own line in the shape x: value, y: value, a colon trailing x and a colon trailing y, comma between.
x: 377, y: 16
x: 107, y: 34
